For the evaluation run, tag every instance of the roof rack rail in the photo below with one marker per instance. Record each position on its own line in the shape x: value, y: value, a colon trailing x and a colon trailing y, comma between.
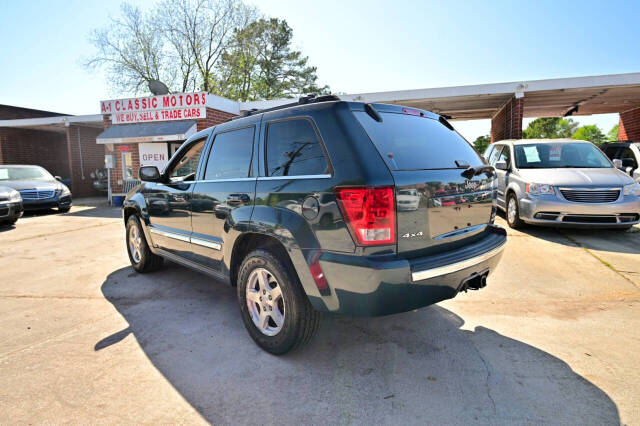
x: 308, y: 99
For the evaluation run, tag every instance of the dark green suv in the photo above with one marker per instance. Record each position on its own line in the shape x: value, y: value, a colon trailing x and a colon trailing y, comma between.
x: 299, y: 207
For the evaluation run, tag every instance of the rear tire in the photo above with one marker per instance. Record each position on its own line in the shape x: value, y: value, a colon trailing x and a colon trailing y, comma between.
x: 513, y: 212
x: 275, y: 309
x: 140, y: 255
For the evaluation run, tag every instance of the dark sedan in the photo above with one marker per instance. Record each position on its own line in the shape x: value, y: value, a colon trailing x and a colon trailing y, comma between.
x: 10, y: 206
x: 37, y: 187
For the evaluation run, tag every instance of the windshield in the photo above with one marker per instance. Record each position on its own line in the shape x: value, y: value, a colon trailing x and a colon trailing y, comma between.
x: 24, y: 173
x: 560, y: 155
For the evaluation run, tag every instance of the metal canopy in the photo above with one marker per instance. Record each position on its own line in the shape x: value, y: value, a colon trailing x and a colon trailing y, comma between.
x: 164, y: 131
x: 601, y: 94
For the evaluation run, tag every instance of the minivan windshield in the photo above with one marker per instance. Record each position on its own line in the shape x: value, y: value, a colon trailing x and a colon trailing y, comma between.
x: 409, y: 142
x: 560, y: 155
x: 24, y: 173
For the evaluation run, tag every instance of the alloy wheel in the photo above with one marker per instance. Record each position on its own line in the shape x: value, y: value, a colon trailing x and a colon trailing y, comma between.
x: 265, y: 302
x: 512, y: 210
x: 135, y: 244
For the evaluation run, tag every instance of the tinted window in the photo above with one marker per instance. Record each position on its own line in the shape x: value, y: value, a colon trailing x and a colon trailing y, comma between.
x: 493, y: 158
x: 293, y: 149
x: 627, y: 154
x: 611, y: 151
x: 186, y: 167
x: 488, y: 151
x: 408, y: 142
x: 230, y: 155
x: 505, y: 155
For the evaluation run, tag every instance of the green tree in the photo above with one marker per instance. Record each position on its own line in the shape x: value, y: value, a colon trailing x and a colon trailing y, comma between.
x: 261, y: 64
x: 481, y: 143
x: 589, y: 133
x: 613, y: 133
x: 550, y: 128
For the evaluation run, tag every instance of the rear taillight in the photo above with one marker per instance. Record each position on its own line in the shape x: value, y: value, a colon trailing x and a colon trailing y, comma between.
x: 370, y: 213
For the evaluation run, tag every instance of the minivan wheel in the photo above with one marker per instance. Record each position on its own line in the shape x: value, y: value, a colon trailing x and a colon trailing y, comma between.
x: 275, y: 310
x: 513, y: 212
x: 141, y: 257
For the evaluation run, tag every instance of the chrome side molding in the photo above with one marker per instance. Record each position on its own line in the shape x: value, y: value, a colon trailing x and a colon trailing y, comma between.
x: 187, y: 239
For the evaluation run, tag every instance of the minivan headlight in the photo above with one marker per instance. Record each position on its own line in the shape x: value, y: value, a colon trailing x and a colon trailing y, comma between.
x: 14, y: 196
x: 539, y: 189
x: 632, y: 189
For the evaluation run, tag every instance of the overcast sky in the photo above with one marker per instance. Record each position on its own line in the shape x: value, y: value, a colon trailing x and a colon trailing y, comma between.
x: 358, y: 46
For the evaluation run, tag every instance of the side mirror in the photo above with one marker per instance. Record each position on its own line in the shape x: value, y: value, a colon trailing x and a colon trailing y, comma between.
x: 58, y: 178
x: 617, y: 163
x: 502, y: 165
x: 149, y: 174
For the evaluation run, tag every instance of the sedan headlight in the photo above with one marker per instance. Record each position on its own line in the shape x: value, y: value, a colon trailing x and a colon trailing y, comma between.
x: 539, y: 189
x: 632, y: 189
x: 14, y: 196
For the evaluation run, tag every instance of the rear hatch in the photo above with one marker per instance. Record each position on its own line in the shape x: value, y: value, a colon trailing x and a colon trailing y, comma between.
x: 437, y: 207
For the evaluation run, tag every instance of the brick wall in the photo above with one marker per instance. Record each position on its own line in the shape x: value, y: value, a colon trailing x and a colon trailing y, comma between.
x: 507, y: 123
x: 629, y: 129
x: 42, y: 148
x: 85, y: 155
x: 214, y: 117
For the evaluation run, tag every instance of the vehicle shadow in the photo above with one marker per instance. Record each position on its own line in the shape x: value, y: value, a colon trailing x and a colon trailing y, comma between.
x: 416, y: 367
x: 595, y: 239
x: 100, y: 211
x: 6, y: 227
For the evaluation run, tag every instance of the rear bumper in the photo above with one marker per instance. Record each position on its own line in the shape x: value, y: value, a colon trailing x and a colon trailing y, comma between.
x: 365, y: 286
x: 10, y: 210
x: 47, y: 203
x: 553, y: 211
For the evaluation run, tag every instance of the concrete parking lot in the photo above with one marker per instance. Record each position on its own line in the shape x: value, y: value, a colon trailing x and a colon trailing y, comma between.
x: 554, y: 338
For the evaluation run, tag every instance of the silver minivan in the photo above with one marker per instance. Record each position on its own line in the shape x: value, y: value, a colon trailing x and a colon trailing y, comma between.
x: 562, y: 182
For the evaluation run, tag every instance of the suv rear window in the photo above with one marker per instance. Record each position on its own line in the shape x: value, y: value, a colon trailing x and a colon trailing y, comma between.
x: 408, y: 142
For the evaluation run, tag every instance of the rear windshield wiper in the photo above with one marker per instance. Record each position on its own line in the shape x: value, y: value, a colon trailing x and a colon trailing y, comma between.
x: 470, y: 171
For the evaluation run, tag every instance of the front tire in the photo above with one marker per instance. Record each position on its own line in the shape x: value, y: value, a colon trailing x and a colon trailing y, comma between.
x: 64, y: 209
x: 275, y: 310
x: 140, y: 255
x: 513, y: 212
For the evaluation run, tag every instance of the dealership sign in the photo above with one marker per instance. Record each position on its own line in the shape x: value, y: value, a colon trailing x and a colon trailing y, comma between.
x: 175, y: 106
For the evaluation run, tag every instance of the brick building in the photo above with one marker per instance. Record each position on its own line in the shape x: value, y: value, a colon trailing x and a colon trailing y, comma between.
x: 62, y: 144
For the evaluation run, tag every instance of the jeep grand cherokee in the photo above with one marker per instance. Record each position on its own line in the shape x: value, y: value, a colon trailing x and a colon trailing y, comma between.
x: 298, y: 207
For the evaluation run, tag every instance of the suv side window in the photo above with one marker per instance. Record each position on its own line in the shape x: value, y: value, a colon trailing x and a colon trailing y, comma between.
x: 505, y: 155
x: 493, y: 157
x: 611, y: 151
x: 627, y: 154
x: 230, y: 155
x: 293, y: 149
x: 488, y: 152
x: 186, y: 167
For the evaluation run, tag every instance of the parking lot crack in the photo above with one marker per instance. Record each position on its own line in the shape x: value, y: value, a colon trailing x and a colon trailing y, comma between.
x: 602, y: 261
x: 60, y: 232
x: 487, y: 377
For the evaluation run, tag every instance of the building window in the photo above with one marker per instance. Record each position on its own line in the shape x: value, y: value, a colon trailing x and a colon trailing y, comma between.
x: 127, y: 165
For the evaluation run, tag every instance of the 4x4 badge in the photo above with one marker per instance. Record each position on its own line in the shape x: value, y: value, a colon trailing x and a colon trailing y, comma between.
x: 412, y: 234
